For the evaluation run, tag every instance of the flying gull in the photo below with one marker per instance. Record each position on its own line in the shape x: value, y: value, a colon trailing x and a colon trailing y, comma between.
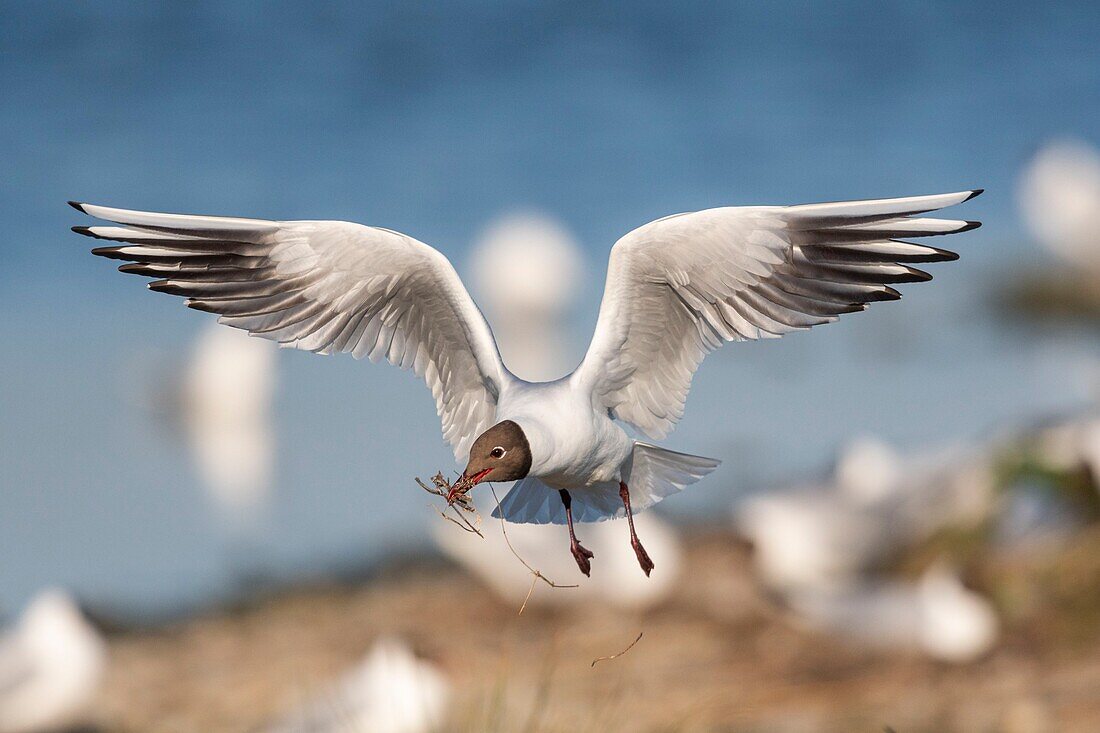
x: 677, y: 288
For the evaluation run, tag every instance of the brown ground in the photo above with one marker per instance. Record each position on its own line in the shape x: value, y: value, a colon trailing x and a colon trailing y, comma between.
x: 718, y: 657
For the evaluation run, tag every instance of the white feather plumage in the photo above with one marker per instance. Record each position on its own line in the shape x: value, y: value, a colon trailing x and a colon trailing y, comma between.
x: 676, y: 289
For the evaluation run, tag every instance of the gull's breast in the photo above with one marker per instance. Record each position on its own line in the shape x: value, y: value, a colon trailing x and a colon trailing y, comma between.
x: 572, y: 444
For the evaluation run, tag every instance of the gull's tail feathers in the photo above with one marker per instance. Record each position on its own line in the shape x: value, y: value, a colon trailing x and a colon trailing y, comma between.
x: 657, y: 473
x: 653, y: 473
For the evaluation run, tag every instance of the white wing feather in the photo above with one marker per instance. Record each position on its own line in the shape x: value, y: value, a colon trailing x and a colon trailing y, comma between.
x: 325, y: 286
x: 678, y: 287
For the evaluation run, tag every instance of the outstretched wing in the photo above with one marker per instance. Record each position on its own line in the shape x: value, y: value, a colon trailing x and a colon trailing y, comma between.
x: 325, y: 286
x: 678, y: 287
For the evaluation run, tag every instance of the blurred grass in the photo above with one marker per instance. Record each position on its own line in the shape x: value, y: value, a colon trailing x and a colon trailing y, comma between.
x: 717, y: 656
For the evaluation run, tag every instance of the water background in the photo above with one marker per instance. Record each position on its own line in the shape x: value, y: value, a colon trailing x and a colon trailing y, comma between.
x: 433, y: 121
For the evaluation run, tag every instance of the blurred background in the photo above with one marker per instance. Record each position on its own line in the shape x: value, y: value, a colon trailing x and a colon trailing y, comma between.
x: 903, y: 531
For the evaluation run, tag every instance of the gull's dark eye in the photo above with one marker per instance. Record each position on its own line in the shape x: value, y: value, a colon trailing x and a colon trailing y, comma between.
x: 497, y: 452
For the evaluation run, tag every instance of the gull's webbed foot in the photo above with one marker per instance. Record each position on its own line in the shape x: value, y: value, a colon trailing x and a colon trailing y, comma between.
x: 582, y: 555
x: 643, y: 556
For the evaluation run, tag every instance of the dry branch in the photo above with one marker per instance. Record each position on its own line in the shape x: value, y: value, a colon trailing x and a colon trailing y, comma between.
x: 441, y: 487
x: 619, y: 654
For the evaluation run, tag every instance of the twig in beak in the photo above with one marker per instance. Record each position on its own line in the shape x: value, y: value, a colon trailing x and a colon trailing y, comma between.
x: 442, y: 488
x: 460, y: 488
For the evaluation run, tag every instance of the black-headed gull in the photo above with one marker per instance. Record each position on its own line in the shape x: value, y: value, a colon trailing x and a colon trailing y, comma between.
x: 677, y: 288
x: 525, y: 269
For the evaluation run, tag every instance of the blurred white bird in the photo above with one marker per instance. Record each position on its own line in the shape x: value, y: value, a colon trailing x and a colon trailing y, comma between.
x: 826, y: 536
x: 1059, y: 194
x: 526, y: 268
x: 390, y: 691
x: 1067, y: 445
x: 867, y: 470
x: 52, y: 663
x: 937, y: 615
x: 923, y: 491
x: 226, y: 395
x: 819, y: 548
x: 811, y: 538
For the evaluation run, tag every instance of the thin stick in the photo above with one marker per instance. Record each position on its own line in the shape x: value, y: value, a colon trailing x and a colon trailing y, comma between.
x: 464, y: 525
x: 619, y: 654
x: 526, y: 564
x: 534, y: 579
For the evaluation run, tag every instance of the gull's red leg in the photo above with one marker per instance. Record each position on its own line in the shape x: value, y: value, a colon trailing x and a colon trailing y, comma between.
x: 580, y: 553
x: 643, y: 556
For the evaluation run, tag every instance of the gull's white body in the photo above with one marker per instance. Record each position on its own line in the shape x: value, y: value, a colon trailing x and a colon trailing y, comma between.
x: 677, y: 288
x: 572, y: 445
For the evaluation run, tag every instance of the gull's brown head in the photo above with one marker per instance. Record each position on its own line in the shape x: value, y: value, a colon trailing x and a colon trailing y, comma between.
x: 501, y: 453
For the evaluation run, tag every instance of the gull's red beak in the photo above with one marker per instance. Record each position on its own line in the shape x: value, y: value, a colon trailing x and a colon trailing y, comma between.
x: 465, y: 483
